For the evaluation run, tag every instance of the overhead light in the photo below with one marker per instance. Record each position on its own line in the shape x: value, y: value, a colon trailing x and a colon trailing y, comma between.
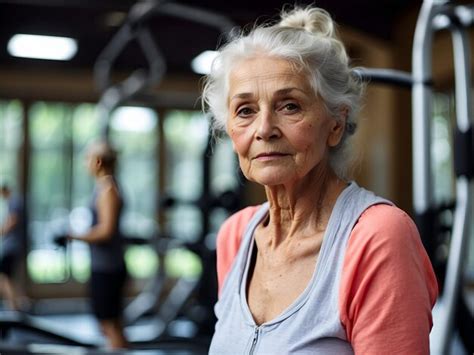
x: 133, y: 119
x: 201, y: 64
x: 42, y: 47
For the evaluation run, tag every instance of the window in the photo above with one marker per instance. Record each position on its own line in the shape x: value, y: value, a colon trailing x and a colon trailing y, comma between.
x: 134, y: 131
x: 11, y: 140
x: 48, y: 199
x: 188, y: 159
x: 224, y: 177
x: 186, y: 137
x: 60, y: 187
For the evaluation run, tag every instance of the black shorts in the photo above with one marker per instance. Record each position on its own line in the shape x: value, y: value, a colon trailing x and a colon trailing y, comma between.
x: 106, y: 293
x: 8, y: 263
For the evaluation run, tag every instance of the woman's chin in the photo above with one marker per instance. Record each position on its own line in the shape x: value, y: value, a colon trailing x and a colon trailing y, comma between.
x: 273, y: 179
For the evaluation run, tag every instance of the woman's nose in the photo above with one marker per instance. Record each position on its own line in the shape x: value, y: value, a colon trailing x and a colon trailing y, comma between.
x: 267, y: 126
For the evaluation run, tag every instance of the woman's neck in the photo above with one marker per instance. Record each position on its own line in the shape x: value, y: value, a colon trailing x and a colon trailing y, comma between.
x: 102, y: 175
x: 303, y: 207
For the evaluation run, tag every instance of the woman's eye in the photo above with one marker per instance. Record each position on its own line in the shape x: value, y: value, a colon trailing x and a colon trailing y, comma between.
x: 244, y: 112
x: 291, y: 107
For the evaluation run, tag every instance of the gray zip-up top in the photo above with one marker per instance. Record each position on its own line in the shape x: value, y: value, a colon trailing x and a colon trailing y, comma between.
x: 311, y: 324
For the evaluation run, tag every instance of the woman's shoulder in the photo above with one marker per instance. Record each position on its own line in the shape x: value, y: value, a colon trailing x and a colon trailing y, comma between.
x: 108, y: 190
x: 385, y: 217
x: 385, y: 225
x: 107, y: 183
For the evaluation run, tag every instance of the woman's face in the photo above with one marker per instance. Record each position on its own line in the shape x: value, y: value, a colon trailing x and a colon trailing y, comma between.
x: 278, y: 126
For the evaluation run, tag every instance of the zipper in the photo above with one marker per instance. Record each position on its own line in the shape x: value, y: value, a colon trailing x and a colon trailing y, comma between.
x: 254, y: 340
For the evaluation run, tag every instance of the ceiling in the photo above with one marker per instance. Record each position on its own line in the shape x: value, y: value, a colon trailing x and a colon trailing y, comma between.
x: 94, y: 22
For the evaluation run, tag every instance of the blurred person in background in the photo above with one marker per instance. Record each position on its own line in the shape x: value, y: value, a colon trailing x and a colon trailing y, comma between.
x: 12, y: 246
x: 108, y: 271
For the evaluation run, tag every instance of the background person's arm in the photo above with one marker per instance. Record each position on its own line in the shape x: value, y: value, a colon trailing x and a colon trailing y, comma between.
x: 11, y: 221
x: 108, y: 209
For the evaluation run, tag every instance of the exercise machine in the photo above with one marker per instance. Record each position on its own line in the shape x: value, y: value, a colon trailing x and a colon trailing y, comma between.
x: 450, y: 312
x: 435, y: 16
x: 136, y: 87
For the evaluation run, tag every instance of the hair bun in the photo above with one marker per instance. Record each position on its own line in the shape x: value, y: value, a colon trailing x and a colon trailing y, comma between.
x: 314, y: 20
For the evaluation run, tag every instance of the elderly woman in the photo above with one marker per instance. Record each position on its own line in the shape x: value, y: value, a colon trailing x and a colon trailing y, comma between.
x: 325, y: 266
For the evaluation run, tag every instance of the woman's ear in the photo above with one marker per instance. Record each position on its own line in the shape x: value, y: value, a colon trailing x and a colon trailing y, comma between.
x: 338, y: 128
x: 98, y: 163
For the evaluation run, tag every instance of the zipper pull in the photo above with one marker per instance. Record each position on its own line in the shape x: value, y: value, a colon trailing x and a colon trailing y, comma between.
x: 254, y: 341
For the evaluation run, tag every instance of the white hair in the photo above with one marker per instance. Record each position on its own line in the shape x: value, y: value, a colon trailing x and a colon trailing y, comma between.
x: 307, y: 38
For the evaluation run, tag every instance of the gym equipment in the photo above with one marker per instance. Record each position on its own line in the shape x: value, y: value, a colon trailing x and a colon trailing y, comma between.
x: 11, y: 320
x: 435, y: 15
x: 152, y: 301
x: 167, y: 309
x: 148, y: 300
x: 135, y: 87
x: 168, y: 346
x: 136, y: 28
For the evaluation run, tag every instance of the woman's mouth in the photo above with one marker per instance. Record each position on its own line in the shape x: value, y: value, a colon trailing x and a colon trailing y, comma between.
x: 269, y: 156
